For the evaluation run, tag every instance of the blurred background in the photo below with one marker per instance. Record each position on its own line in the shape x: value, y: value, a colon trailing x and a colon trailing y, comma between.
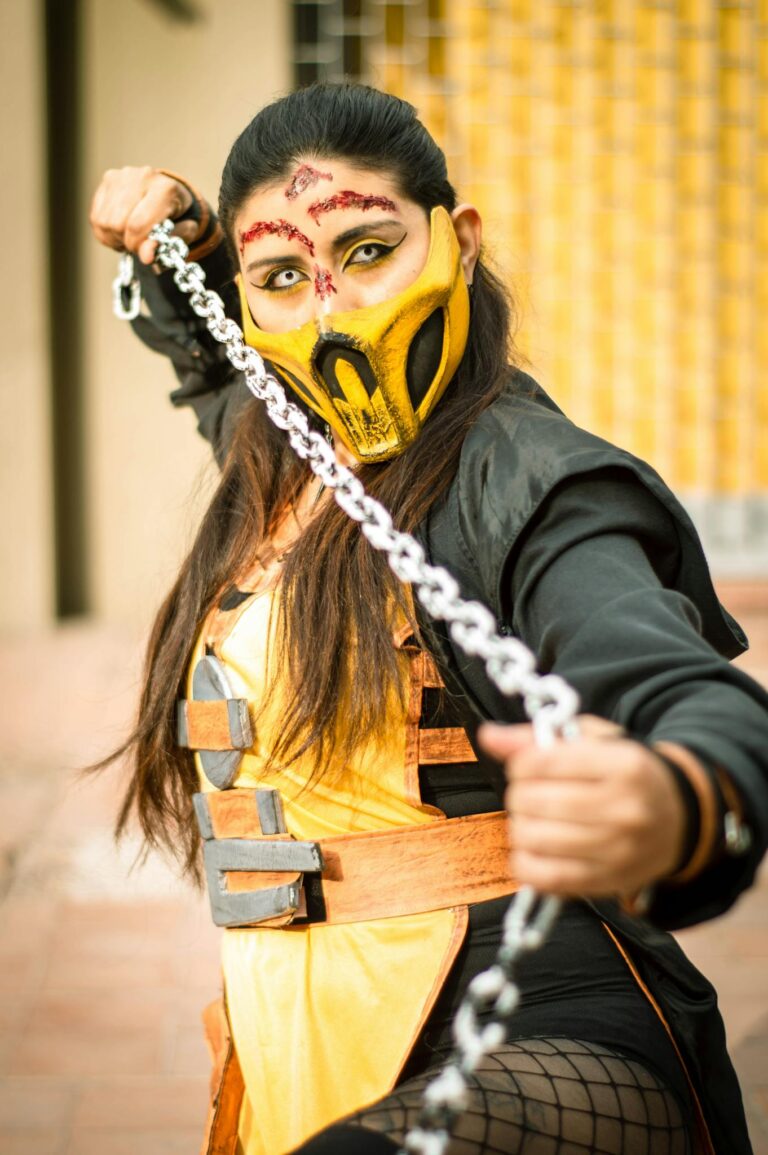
x: 618, y: 150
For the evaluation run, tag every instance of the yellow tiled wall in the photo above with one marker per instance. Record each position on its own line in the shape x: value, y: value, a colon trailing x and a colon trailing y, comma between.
x: 619, y: 152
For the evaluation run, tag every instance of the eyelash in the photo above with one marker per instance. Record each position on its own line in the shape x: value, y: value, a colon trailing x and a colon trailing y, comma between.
x: 269, y: 287
x: 385, y: 251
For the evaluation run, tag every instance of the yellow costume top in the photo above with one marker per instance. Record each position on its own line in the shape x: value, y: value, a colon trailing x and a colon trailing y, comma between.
x: 323, y: 1016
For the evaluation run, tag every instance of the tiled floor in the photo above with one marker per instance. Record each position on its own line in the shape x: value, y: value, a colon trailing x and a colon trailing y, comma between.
x: 104, y: 969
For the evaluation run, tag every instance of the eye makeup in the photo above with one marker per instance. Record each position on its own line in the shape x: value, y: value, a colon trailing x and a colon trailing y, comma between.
x: 385, y: 249
x: 278, y: 228
x: 305, y: 177
x: 347, y: 199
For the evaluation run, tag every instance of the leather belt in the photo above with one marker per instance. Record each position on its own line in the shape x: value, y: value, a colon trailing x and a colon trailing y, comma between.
x: 258, y: 875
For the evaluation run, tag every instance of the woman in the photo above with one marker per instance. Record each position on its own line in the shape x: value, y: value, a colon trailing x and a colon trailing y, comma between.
x: 291, y: 661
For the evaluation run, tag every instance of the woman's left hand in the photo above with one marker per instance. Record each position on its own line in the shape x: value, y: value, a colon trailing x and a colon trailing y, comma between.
x: 595, y: 816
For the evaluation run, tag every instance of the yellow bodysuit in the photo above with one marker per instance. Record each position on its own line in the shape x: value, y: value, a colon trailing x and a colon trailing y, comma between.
x: 323, y: 1016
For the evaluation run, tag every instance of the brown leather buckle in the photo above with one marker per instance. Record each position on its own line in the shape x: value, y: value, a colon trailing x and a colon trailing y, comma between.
x: 275, y: 905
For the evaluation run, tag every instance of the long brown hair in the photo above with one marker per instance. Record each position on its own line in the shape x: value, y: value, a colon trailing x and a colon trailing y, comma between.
x: 336, y: 593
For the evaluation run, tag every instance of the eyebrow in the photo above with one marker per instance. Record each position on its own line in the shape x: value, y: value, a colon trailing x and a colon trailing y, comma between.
x: 278, y: 228
x: 348, y: 199
x: 339, y: 242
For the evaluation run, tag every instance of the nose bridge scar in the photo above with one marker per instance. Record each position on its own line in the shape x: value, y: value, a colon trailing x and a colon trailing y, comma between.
x: 305, y: 177
x: 324, y: 285
x: 278, y: 228
x: 347, y: 199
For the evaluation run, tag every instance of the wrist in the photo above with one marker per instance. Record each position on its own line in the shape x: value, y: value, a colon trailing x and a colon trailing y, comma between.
x: 209, y: 232
x: 715, y: 814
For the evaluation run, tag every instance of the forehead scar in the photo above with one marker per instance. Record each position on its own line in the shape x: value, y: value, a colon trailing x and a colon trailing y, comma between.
x: 278, y: 228
x: 349, y: 200
x: 305, y: 177
x: 324, y: 285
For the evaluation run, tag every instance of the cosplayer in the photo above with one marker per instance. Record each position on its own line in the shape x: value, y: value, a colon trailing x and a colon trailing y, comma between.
x: 296, y: 704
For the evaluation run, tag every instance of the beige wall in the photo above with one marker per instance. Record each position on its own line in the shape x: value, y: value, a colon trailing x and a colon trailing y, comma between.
x: 26, y: 576
x: 174, y: 95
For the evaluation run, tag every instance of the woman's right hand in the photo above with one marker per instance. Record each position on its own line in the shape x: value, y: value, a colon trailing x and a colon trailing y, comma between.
x: 130, y: 201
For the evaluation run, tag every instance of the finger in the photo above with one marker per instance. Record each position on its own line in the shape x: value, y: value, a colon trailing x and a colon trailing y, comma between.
x: 503, y: 741
x: 100, y: 218
x: 119, y: 193
x: 187, y: 230
x: 163, y: 198
x: 551, y: 838
x: 621, y: 761
x: 584, y: 759
x: 566, y: 877
x: 146, y: 251
x: 591, y: 726
x: 547, y: 799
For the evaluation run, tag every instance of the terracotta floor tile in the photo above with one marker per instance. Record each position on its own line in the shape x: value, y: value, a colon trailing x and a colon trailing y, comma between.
x: 79, y: 972
x: 110, y: 919
x: 22, y: 971
x: 109, y: 1141
x: 16, y: 1007
x: 189, y: 1002
x: 188, y: 1052
x: 756, y: 1107
x: 33, y: 1141
x: 143, y: 1104
x: 110, y: 1010
x: 27, y: 924
x: 88, y: 1053
x: 47, y: 1102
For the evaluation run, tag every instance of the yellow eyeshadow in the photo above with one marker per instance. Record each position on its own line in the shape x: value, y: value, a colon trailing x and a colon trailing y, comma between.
x: 282, y: 289
x: 360, y: 268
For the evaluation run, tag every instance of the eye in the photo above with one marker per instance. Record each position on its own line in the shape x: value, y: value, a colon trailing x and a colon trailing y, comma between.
x: 370, y: 253
x: 281, y: 279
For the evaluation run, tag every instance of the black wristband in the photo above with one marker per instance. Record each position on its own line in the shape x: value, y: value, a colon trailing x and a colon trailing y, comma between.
x: 690, y: 804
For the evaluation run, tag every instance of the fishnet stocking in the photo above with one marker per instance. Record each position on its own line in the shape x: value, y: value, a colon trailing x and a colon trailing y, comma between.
x: 541, y: 1097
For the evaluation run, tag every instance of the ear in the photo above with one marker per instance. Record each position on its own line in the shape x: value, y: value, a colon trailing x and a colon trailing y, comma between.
x: 469, y: 231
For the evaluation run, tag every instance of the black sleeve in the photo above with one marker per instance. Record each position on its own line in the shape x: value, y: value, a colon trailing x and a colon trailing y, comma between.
x: 590, y: 592
x: 207, y: 382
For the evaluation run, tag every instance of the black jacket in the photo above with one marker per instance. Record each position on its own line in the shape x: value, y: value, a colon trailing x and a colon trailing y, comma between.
x: 582, y: 551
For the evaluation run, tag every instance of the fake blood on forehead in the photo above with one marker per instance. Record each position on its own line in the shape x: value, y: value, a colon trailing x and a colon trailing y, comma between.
x: 347, y: 199
x: 278, y: 228
x: 305, y: 177
x: 324, y: 285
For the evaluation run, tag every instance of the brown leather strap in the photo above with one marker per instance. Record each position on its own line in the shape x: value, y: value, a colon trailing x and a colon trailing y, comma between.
x: 227, y: 1086
x: 384, y: 873
x: 223, y: 724
x: 432, y: 679
x: 708, y: 811
x: 448, y: 745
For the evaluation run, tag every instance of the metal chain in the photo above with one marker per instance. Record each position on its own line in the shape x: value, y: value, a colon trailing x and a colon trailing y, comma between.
x: 549, y: 701
x: 126, y: 290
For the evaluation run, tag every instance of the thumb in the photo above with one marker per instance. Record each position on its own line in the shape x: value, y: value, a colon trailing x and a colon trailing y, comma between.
x: 502, y: 741
x: 187, y: 230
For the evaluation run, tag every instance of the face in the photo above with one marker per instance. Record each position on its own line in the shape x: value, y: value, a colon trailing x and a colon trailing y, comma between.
x: 329, y: 238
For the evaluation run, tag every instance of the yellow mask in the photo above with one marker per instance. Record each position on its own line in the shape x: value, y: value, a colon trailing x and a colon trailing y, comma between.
x: 375, y: 374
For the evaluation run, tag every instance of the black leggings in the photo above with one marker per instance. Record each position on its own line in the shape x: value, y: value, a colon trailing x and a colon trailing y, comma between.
x: 548, y: 1096
x: 587, y: 1066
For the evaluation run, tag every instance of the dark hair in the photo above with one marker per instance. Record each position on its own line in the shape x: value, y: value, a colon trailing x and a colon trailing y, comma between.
x: 374, y: 130
x: 337, y: 595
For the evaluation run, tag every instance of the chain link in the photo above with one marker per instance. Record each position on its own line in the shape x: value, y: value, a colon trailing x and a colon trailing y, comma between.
x: 126, y: 290
x: 549, y: 701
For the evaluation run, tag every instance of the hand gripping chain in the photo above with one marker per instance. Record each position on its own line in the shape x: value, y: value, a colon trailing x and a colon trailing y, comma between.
x: 549, y: 701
